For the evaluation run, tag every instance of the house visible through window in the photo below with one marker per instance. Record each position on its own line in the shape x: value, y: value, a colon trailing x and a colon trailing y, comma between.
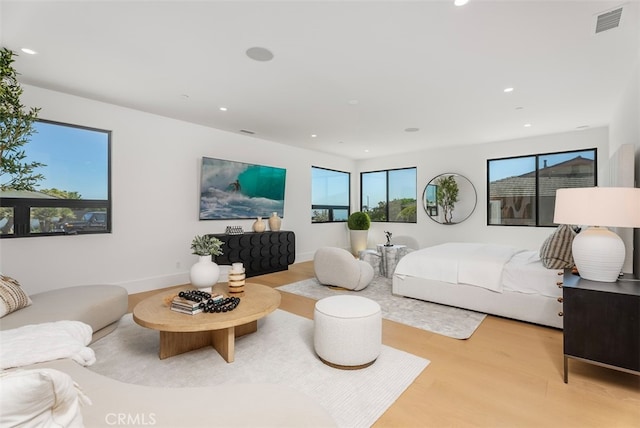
x: 522, y: 190
x: 74, y: 196
x: 330, y: 194
x: 389, y: 195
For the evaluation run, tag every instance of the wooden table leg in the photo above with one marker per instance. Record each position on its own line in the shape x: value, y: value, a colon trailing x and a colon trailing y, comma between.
x: 224, y: 342
x: 250, y: 327
x: 175, y: 343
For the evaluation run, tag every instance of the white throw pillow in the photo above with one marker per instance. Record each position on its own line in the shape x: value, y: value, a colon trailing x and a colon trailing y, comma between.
x: 42, y: 397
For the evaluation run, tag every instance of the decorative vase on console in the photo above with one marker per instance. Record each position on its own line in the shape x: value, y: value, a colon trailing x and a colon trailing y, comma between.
x: 258, y: 225
x: 205, y: 273
x: 274, y: 222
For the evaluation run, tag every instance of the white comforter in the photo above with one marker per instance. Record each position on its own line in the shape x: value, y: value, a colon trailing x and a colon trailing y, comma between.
x: 459, y: 263
x: 37, y: 343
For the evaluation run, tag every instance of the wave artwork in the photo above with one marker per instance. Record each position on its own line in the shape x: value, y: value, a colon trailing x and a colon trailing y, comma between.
x: 237, y: 190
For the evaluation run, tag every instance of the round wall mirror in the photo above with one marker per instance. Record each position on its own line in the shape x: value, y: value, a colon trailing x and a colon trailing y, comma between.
x: 449, y: 198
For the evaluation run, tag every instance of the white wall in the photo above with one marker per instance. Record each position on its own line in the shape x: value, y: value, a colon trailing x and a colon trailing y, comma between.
x: 155, y: 180
x: 155, y: 185
x: 471, y: 161
x: 625, y: 129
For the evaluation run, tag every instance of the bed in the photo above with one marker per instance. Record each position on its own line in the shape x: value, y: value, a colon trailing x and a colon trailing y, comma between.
x: 494, y: 279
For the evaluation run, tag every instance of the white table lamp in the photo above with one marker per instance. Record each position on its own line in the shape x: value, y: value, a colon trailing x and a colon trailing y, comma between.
x: 598, y: 252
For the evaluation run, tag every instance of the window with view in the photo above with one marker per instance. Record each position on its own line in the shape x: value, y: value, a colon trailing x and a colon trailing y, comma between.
x: 522, y: 190
x: 389, y: 195
x: 330, y: 195
x: 73, y: 194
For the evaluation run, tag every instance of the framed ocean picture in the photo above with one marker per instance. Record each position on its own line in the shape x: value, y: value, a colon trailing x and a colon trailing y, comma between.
x: 238, y: 190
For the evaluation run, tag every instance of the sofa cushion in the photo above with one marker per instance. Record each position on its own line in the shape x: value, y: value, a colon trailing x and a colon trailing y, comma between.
x: 41, y: 397
x: 12, y: 297
x: 555, y: 252
x: 97, y: 305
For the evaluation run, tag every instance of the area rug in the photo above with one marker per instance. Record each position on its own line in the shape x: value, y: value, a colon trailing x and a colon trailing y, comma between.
x: 441, y: 319
x: 280, y: 352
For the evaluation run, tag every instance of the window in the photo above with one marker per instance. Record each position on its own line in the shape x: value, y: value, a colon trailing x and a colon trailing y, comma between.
x: 330, y: 194
x: 389, y: 195
x: 74, y: 197
x: 522, y: 190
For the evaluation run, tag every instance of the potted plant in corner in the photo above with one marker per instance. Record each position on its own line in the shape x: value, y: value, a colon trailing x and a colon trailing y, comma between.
x: 205, y: 273
x: 358, y: 224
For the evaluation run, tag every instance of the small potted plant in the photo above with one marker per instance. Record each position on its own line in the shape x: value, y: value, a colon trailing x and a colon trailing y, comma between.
x: 206, y: 245
x: 358, y: 224
x: 205, y: 273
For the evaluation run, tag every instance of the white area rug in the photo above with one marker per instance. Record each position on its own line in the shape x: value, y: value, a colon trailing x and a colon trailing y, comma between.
x: 446, y: 320
x: 280, y: 352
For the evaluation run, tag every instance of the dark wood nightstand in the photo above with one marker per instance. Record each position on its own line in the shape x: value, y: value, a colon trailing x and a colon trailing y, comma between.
x: 601, y: 323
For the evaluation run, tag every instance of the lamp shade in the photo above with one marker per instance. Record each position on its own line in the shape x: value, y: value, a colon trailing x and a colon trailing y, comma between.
x: 598, y: 206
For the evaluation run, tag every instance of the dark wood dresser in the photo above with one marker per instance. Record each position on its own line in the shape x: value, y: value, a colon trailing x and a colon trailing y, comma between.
x: 601, y: 323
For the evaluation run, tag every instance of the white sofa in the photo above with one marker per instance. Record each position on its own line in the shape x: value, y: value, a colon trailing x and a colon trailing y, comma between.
x: 115, y: 403
x: 44, y: 394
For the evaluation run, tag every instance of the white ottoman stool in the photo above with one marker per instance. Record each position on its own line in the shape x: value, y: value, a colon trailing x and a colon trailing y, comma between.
x: 347, y: 331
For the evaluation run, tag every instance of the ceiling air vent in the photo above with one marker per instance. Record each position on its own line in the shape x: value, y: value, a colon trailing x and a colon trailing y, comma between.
x: 246, y: 131
x: 608, y: 20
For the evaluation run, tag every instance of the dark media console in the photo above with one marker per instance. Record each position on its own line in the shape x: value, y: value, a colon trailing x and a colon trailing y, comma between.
x: 261, y: 253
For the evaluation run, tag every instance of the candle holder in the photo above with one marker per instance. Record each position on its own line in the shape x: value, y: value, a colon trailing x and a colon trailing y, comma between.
x: 236, y: 279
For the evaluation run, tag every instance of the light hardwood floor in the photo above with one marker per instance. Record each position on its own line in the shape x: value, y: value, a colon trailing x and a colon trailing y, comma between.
x: 508, y: 374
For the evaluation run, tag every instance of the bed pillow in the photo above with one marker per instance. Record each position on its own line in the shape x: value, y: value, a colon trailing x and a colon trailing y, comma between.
x: 12, y: 297
x: 41, y: 397
x: 555, y: 252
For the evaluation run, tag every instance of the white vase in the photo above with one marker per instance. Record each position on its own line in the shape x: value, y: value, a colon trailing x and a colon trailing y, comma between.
x: 205, y: 273
x: 274, y: 222
x: 358, y: 240
x: 258, y: 225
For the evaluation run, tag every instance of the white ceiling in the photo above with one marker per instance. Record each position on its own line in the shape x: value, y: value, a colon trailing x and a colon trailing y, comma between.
x: 357, y: 73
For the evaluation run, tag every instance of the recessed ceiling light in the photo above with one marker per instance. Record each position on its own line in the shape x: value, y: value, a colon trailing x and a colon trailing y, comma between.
x: 259, y: 54
x: 460, y: 2
x: 366, y: 150
x: 314, y: 135
x: 411, y: 129
x: 507, y: 90
x: 527, y: 125
x: 28, y: 51
x: 353, y: 102
x: 223, y: 109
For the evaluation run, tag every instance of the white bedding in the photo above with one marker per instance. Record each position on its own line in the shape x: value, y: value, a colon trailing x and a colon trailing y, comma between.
x: 494, y: 267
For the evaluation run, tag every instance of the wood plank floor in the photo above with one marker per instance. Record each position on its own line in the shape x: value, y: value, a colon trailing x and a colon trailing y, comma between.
x: 508, y: 374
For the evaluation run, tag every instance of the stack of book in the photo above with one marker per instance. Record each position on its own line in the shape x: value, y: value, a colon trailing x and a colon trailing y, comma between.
x: 185, y: 306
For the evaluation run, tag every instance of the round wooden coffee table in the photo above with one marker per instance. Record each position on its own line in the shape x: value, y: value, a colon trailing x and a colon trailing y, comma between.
x: 180, y: 333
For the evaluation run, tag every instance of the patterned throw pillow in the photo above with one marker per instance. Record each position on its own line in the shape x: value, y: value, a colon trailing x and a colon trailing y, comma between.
x: 12, y: 297
x: 555, y: 252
